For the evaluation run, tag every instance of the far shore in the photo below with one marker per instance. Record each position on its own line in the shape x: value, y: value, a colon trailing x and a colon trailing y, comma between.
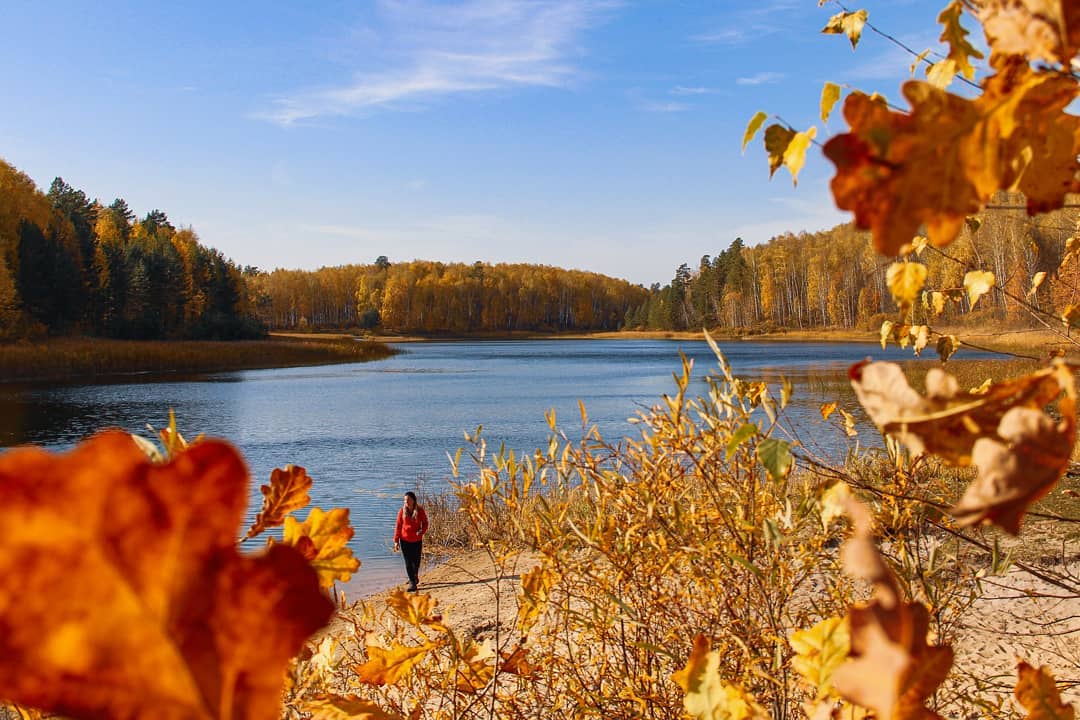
x: 92, y: 359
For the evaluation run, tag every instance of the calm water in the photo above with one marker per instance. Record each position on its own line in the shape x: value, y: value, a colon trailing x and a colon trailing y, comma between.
x: 368, y: 432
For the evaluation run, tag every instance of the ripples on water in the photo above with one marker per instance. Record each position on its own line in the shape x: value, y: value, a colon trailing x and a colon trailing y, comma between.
x: 368, y: 432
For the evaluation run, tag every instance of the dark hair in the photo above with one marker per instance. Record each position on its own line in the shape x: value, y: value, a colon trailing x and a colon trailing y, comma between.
x: 416, y: 503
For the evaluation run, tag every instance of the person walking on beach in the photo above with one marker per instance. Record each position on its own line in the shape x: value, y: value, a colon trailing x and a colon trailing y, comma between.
x: 409, y: 537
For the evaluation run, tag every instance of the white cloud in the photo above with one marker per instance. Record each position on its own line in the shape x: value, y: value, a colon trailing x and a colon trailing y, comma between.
x: 441, y: 49
x: 681, y: 90
x: 760, y: 78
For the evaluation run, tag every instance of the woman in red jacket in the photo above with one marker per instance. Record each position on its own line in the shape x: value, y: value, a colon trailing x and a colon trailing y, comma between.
x: 409, y: 535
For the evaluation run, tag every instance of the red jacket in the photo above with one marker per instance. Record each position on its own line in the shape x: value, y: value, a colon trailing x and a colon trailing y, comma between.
x: 410, y: 529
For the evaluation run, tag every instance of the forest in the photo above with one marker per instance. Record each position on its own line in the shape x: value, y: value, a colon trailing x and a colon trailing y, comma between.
x: 71, y: 265
x: 835, y: 279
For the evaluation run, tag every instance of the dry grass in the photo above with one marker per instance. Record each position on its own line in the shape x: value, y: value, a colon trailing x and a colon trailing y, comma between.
x: 67, y: 359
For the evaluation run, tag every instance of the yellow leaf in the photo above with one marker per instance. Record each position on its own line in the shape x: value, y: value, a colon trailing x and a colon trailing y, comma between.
x: 819, y: 651
x: 323, y: 538
x: 417, y: 609
x: 918, y: 244
x: 886, y: 331
x: 834, y: 503
x: 1036, y: 281
x: 1038, y: 693
x: 905, y: 281
x: 848, y: 23
x: 707, y: 696
x: 978, y: 283
x: 937, y: 301
x: 921, y: 334
x: 386, y: 667
x: 830, y: 94
x: 345, y: 707
x: 918, y: 59
x: 777, y: 140
x: 956, y: 37
x: 1069, y: 314
x: 795, y: 154
x: 751, y: 129
x: 473, y: 671
x: 536, y: 587
x: 849, y: 423
x: 941, y: 73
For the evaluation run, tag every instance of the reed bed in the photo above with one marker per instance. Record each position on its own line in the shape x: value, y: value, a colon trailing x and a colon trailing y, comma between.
x: 67, y: 359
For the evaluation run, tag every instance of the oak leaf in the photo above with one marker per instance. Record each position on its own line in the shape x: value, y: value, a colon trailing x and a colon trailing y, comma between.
x: 387, y: 666
x: 1038, y: 693
x: 516, y: 662
x: 160, y: 616
x: 287, y: 491
x: 960, y: 48
x: 323, y: 538
x: 944, y: 160
x: 707, y: 696
x: 1047, y: 30
x: 473, y: 671
x: 417, y: 609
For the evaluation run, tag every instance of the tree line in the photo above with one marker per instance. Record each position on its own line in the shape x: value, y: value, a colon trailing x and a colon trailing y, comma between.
x: 431, y: 297
x: 71, y: 265
x: 834, y: 278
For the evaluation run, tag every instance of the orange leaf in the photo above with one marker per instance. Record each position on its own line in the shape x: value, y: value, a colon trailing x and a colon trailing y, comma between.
x: 323, y: 539
x: 473, y: 670
x: 944, y: 160
x: 891, y: 669
x: 1038, y: 693
x: 158, y: 610
x: 516, y: 662
x: 287, y: 491
x: 386, y: 667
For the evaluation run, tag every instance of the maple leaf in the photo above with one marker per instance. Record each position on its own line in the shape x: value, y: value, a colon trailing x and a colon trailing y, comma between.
x: 160, y: 615
x: 473, y: 671
x: 1047, y: 30
x: 1038, y: 693
x: 386, y: 667
x: 345, y: 707
x: 322, y: 538
x: 944, y: 160
x: 707, y: 696
x: 847, y: 23
x: 287, y: 491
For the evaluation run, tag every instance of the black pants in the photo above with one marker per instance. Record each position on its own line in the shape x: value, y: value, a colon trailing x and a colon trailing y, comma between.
x: 410, y: 551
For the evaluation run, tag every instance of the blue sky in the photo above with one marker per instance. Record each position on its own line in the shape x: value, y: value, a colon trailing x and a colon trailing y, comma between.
x: 594, y: 134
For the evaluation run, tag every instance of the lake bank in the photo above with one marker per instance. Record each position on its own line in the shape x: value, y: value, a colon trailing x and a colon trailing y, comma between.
x: 67, y: 359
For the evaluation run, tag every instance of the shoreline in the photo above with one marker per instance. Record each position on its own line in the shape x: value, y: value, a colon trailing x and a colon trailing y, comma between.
x: 81, y: 360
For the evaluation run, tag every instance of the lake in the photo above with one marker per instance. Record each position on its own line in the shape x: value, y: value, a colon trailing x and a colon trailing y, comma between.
x: 368, y: 432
